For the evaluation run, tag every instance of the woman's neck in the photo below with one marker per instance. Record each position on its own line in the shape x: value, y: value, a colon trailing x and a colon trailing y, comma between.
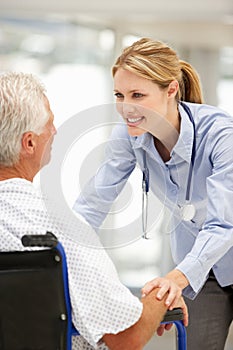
x: 173, y: 116
x: 166, y: 141
x: 162, y: 150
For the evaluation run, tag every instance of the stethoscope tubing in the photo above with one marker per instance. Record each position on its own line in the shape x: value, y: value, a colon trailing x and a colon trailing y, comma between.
x: 145, y: 177
x: 193, y: 154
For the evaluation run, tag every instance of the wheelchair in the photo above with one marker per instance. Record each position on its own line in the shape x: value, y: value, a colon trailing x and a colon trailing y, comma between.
x: 35, y: 307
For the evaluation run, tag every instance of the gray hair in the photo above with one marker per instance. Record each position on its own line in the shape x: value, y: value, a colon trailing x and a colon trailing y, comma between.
x: 22, y: 109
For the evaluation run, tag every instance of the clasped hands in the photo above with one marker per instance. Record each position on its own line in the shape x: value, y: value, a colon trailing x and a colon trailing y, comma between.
x: 172, y: 285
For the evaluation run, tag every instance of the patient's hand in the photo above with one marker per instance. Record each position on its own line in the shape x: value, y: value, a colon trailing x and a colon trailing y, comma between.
x: 181, y: 304
x: 164, y: 327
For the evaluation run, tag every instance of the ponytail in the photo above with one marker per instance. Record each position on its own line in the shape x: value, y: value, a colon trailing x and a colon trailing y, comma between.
x: 190, y: 84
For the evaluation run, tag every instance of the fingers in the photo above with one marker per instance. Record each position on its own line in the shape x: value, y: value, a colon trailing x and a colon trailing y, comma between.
x: 181, y: 304
x: 174, y: 293
x: 149, y: 286
x: 173, y: 290
x: 173, y: 298
x: 168, y: 326
x: 160, y: 330
x: 162, y: 327
x: 165, y: 286
x: 185, y: 313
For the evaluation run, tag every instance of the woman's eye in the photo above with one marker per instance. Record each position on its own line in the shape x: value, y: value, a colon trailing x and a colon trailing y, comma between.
x: 137, y: 95
x: 118, y: 95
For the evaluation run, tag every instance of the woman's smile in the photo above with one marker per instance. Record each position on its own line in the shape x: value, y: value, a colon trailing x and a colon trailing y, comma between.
x: 134, y: 121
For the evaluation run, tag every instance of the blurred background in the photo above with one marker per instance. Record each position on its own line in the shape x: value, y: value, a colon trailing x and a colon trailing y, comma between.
x: 72, y: 44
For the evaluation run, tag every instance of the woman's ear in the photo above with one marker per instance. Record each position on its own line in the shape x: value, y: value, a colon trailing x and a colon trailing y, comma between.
x: 173, y: 88
x: 28, y: 143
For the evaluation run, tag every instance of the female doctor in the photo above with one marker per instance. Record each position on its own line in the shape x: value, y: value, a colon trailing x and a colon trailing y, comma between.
x: 185, y: 150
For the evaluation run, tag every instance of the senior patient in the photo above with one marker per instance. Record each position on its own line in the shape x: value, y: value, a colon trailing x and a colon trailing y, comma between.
x: 106, y: 314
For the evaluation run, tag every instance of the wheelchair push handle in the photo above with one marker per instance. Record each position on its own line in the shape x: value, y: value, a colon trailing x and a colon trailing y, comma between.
x: 173, y: 315
x: 47, y: 240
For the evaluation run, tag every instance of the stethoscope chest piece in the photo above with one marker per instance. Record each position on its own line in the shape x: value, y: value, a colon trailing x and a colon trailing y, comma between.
x: 188, y: 212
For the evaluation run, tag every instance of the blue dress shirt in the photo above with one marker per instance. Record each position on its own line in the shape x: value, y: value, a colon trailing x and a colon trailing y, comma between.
x: 204, y: 242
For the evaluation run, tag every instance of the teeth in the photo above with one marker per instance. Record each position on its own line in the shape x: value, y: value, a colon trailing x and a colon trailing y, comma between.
x: 134, y: 120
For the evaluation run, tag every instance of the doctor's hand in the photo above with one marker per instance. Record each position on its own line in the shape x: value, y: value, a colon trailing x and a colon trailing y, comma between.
x: 172, y: 283
x: 166, y: 286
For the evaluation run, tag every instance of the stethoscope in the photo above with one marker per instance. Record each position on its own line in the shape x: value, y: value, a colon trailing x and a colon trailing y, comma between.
x: 188, y: 210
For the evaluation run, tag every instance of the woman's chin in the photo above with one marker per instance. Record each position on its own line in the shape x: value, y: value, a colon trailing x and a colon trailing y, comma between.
x: 135, y: 131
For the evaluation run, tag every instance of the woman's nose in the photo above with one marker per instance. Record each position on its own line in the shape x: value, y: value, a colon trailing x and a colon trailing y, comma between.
x: 129, y: 108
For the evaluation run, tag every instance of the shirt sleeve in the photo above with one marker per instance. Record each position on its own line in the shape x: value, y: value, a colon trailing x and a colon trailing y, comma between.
x: 100, y: 302
x: 216, y: 235
x: 95, y: 200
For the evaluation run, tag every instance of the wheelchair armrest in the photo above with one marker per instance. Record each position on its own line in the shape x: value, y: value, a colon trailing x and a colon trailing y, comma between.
x: 173, y: 315
x: 47, y: 240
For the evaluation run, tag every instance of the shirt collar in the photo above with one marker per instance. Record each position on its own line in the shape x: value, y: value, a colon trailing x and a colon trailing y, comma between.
x: 184, y: 146
x: 143, y: 141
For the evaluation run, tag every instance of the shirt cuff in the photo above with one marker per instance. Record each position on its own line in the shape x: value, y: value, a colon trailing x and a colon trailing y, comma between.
x: 196, y: 274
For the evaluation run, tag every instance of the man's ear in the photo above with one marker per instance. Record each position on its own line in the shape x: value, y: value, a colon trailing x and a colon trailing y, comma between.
x: 28, y: 143
x: 173, y: 88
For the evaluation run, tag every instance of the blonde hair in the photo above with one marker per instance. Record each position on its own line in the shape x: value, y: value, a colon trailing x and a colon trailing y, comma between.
x: 156, y: 61
x: 22, y: 109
